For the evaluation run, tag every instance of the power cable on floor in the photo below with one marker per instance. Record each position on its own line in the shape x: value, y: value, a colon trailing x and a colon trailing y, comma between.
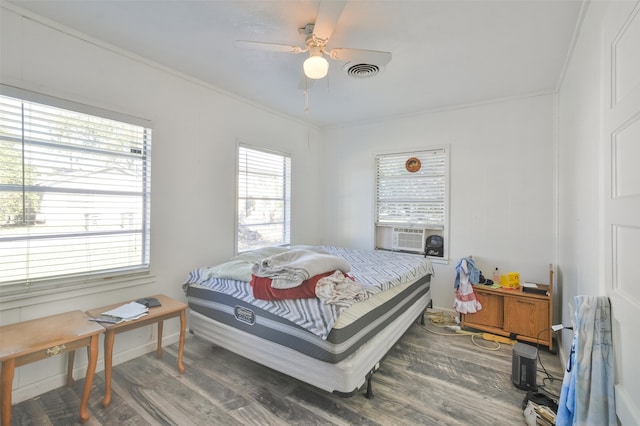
x: 445, y: 320
x: 548, y: 376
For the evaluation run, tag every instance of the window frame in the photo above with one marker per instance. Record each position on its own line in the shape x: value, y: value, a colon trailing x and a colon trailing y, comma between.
x: 383, y: 231
x: 85, y: 282
x: 286, y: 196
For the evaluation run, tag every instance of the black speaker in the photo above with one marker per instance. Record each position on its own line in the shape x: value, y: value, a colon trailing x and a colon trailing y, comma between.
x: 524, y: 366
x: 434, y: 246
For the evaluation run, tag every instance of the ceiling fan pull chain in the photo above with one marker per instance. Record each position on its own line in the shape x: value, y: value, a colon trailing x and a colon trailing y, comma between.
x: 306, y: 113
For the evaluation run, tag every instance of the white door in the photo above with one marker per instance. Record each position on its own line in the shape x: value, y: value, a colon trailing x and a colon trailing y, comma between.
x: 620, y: 146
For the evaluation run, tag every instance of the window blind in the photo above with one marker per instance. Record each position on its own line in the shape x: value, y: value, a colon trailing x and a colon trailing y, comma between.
x: 411, y: 199
x: 74, y: 192
x: 264, y: 198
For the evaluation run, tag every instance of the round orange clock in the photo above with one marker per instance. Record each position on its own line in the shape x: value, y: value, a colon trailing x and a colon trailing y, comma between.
x: 413, y: 164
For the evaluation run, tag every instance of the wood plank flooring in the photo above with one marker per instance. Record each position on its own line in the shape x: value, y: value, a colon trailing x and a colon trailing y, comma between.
x: 426, y: 379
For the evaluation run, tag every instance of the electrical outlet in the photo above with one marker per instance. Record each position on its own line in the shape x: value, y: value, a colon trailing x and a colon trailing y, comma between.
x: 557, y: 327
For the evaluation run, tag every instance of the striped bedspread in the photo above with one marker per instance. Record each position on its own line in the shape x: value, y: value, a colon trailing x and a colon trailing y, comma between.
x: 376, y: 270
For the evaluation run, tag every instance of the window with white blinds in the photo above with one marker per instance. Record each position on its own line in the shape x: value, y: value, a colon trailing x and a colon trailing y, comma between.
x: 416, y: 199
x: 264, y: 198
x: 74, y: 191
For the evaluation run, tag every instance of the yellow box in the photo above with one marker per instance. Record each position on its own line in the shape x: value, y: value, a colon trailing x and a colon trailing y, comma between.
x: 511, y: 280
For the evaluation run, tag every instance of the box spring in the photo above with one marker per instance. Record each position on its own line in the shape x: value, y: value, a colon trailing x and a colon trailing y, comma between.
x: 344, y: 377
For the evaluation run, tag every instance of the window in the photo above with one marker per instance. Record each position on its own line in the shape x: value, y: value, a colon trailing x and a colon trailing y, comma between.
x: 74, y: 190
x: 264, y: 198
x: 411, y: 199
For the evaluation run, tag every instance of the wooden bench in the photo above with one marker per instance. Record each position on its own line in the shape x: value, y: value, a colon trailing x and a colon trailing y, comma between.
x: 169, y: 308
x: 29, y: 341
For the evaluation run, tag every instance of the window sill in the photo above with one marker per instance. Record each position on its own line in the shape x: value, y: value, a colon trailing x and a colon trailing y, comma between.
x: 19, y: 295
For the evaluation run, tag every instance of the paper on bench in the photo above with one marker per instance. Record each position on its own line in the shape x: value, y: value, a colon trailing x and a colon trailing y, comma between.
x: 132, y: 310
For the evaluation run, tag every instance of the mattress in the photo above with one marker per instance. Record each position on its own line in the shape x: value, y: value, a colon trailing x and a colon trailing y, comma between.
x: 342, y: 341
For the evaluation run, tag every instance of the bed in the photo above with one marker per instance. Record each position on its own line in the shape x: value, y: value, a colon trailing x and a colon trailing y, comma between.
x: 335, y: 345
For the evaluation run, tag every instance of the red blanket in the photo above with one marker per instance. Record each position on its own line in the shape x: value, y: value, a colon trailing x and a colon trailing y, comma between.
x: 307, y: 290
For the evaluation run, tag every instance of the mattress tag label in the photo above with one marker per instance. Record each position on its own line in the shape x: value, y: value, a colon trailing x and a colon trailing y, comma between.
x: 244, y: 315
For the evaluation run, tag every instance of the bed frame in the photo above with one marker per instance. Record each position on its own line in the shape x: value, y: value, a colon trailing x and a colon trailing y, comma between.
x: 344, y: 378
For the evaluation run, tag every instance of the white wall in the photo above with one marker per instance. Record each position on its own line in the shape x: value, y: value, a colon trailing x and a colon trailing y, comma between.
x: 579, y: 192
x: 195, y: 131
x: 502, y: 184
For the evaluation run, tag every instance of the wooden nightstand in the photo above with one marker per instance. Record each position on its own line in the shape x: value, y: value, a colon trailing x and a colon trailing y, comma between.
x: 29, y: 341
x: 169, y: 308
x: 512, y: 312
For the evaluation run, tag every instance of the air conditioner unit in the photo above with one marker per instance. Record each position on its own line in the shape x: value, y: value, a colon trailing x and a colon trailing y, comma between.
x: 409, y: 239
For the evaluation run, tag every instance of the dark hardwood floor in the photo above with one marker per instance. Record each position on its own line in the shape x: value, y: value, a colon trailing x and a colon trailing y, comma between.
x: 426, y: 379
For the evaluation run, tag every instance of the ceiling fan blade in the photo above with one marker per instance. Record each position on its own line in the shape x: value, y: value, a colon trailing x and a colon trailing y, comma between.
x: 328, y: 14
x: 361, y: 56
x: 269, y: 47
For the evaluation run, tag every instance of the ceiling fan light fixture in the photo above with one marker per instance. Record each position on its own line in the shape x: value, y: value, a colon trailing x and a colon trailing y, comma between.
x: 316, y: 67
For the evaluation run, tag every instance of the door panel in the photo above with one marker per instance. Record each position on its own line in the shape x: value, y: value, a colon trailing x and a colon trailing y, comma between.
x: 621, y: 197
x: 491, y: 312
x: 527, y: 317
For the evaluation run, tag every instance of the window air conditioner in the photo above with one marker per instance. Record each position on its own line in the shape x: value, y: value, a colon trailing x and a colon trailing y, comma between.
x: 409, y: 239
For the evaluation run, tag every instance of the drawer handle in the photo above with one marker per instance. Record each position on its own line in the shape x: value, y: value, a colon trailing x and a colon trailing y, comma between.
x: 55, y: 350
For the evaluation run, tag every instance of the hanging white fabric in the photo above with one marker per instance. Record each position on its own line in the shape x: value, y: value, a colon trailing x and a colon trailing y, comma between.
x: 587, y: 396
x: 466, y: 301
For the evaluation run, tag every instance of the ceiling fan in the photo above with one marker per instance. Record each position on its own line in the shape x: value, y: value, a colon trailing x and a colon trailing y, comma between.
x: 317, y: 34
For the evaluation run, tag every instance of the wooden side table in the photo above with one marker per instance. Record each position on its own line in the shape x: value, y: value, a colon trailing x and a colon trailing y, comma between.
x: 512, y: 312
x: 169, y: 308
x: 29, y: 341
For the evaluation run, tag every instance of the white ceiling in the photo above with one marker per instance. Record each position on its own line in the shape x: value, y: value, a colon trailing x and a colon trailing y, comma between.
x: 445, y: 53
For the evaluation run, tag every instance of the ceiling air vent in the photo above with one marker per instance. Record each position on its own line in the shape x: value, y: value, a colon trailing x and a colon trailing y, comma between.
x: 362, y: 70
